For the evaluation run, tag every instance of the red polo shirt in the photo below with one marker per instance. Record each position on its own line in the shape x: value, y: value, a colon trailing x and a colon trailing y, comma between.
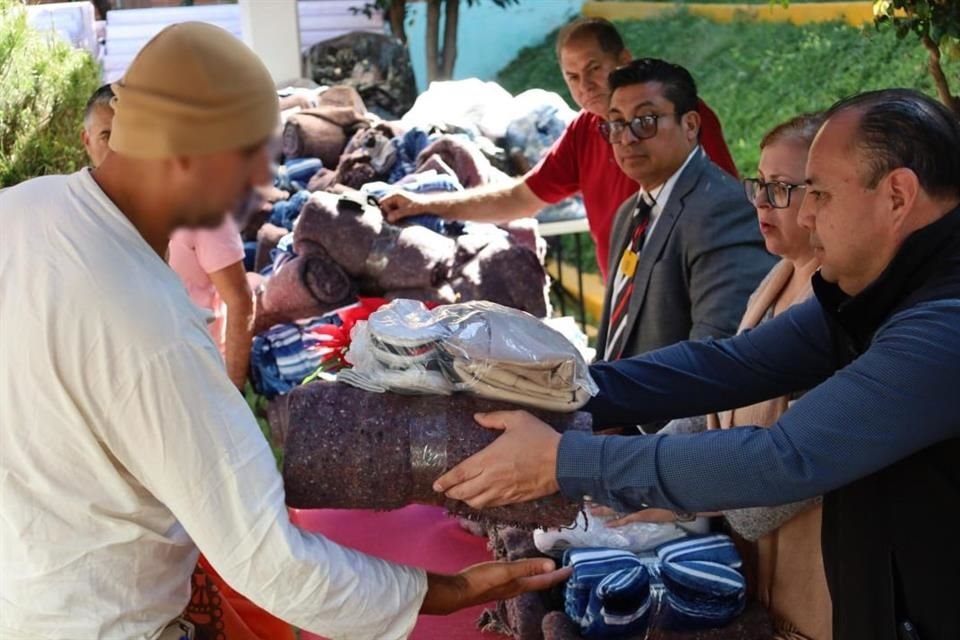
x: 582, y: 161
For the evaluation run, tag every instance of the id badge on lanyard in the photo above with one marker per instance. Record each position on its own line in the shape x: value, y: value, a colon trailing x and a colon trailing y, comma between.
x: 628, y: 263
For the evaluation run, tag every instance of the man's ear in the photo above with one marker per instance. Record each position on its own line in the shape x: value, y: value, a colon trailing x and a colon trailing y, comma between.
x: 625, y: 57
x: 902, y: 188
x: 691, y: 125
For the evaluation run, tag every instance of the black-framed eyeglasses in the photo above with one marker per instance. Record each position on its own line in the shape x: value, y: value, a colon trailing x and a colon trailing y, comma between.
x: 778, y: 193
x: 642, y: 127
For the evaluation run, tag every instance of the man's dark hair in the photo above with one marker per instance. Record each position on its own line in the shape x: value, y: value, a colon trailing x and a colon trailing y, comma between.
x: 601, y: 31
x: 100, y: 98
x: 678, y: 85
x: 907, y: 128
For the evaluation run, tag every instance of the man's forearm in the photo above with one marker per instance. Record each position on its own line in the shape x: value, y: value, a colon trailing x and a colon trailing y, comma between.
x: 238, y: 340
x: 493, y: 204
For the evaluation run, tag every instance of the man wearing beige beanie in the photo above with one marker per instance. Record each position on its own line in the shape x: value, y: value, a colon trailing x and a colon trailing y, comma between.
x: 126, y: 450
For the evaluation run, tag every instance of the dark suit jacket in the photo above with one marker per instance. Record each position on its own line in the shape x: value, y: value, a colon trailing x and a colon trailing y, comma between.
x: 702, y: 260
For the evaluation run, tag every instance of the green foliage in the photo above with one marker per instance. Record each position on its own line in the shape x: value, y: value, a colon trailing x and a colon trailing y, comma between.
x: 46, y: 84
x: 754, y: 74
x: 939, y: 19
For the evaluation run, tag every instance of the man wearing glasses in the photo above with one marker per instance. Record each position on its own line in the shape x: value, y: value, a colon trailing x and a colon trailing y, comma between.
x: 685, y: 249
x: 580, y: 161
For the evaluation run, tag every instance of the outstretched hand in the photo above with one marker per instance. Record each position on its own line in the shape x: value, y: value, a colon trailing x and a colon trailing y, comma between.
x: 518, y: 466
x: 488, y: 582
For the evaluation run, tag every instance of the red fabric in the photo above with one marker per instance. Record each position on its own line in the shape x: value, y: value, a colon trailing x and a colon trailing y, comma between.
x: 582, y: 161
x: 334, y: 341
x: 220, y: 613
x: 416, y: 535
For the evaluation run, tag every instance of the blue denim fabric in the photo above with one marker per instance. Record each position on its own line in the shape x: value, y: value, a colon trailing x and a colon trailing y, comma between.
x: 285, y: 212
x: 295, y: 173
x: 409, y: 146
x: 426, y: 182
x: 249, y: 254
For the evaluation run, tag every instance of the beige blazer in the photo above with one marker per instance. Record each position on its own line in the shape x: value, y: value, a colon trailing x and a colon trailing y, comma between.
x: 789, y: 576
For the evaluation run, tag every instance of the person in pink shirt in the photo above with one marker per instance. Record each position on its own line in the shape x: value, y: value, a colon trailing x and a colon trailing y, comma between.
x: 210, y: 263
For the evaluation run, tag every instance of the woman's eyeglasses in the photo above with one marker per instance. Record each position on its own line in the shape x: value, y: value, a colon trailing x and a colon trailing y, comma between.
x: 777, y: 193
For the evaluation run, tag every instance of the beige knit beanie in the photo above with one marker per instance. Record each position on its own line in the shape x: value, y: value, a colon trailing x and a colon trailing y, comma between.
x: 193, y: 89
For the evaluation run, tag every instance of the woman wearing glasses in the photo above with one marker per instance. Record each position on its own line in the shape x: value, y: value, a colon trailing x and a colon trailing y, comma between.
x: 789, y: 575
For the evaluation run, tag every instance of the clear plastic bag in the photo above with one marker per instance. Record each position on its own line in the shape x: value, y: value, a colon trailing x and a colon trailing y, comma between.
x: 591, y: 531
x: 481, y: 348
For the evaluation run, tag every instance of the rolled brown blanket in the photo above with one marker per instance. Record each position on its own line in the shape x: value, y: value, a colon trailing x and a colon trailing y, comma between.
x: 557, y: 626
x: 521, y: 617
x: 305, y: 282
x: 385, y: 256
x: 440, y: 295
x: 351, y: 449
x: 322, y: 133
x: 506, y: 274
x: 464, y: 157
x: 342, y: 96
x: 346, y: 233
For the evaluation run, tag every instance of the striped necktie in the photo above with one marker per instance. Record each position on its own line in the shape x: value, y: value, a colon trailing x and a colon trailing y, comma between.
x: 624, y: 279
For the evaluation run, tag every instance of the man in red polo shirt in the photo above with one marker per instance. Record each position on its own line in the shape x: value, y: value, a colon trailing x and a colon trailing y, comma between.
x: 581, y: 161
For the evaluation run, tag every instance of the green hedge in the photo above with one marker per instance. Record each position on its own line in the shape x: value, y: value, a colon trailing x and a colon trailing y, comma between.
x: 46, y: 84
x: 755, y: 74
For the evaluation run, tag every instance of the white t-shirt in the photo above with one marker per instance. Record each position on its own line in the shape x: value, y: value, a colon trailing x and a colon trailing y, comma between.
x: 124, y: 448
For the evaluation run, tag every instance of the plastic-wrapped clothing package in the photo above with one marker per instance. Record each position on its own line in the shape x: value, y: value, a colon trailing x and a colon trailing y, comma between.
x: 350, y: 449
x: 591, y: 531
x: 481, y: 348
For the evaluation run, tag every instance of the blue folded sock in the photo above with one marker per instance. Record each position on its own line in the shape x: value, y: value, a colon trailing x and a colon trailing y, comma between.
x: 621, y: 607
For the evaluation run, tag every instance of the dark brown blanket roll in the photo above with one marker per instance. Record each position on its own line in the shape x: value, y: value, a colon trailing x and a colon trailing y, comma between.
x: 506, y: 274
x: 305, y: 281
x: 351, y: 449
x: 752, y: 624
x: 386, y: 257
x: 322, y: 133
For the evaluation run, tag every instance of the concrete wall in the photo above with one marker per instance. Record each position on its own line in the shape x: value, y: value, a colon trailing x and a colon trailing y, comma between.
x: 489, y: 37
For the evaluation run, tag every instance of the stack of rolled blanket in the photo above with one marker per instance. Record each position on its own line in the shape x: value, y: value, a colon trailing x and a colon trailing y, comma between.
x: 382, y: 259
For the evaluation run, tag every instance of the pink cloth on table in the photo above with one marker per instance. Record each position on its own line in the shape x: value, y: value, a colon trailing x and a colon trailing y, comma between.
x: 419, y: 535
x: 196, y: 253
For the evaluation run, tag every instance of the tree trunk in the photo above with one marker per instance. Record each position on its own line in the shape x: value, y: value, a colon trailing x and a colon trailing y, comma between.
x: 433, y: 40
x: 451, y: 21
x: 397, y: 14
x: 939, y: 77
